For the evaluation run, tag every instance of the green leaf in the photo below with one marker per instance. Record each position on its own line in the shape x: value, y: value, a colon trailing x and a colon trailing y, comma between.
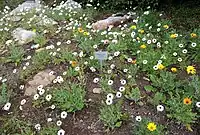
x: 149, y: 88
x: 118, y: 124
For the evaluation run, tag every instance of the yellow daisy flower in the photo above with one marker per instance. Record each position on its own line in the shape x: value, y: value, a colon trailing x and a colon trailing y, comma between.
x: 166, y: 26
x: 191, y: 70
x: 133, y: 27
x: 161, y: 67
x: 151, y: 126
x: 143, y: 46
x: 173, y: 69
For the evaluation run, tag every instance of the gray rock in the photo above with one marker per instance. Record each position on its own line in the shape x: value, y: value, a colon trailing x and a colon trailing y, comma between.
x: 26, y: 6
x: 97, y: 90
x: 69, y: 4
x: 42, y: 78
x: 23, y: 36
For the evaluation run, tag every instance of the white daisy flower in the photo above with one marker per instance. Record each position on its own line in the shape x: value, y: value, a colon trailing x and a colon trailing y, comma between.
x: 38, y: 127
x: 154, y: 40
x: 110, y: 82
x: 155, y: 67
x: 69, y: 42
x: 194, y: 44
x: 36, y: 96
x: 175, y: 54
x: 158, y: 29
x: 41, y: 92
x: 179, y: 59
x: 60, y: 79
x: 49, y: 119
x: 123, y: 82
x: 40, y: 87
x: 96, y: 80
x: 112, y: 66
x: 75, y: 53
x: 184, y: 51
x: 118, y: 94
x: 59, y: 123
x: 109, y: 101
x: 166, y: 42
x: 7, y: 107
x: 61, y: 132
x: 77, y: 68
x: 110, y: 96
x: 159, y: 62
x: 94, y: 46
x: 29, y: 57
x: 92, y: 69
x: 144, y: 61
x: 21, y: 87
x: 198, y: 104
x: 53, y: 107
x: 159, y: 24
x: 121, y: 89
x: 55, y: 81
x: 180, y: 45
x: 110, y: 58
x: 144, y: 39
x: 58, y: 43
x: 125, y: 70
x: 116, y: 53
x: 81, y: 54
x: 48, y: 97
x: 63, y: 115
x: 14, y: 71
x: 138, y: 118
x: 160, y: 108
x: 91, y: 57
x: 129, y: 60
x: 148, y: 41
x: 23, y: 101
x: 133, y: 34
x: 109, y: 71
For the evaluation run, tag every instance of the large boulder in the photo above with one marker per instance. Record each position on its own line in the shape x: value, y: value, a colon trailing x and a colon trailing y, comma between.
x: 69, y: 4
x: 26, y: 6
x: 23, y: 36
x: 42, y: 78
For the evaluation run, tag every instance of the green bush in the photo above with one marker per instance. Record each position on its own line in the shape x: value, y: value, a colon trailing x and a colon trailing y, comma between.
x: 11, y: 3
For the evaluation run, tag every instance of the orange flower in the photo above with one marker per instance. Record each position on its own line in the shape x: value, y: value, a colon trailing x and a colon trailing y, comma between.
x: 193, y: 35
x: 73, y: 63
x: 187, y: 101
x: 134, y: 61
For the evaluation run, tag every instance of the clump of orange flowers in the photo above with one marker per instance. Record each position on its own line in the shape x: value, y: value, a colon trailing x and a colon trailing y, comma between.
x: 187, y: 101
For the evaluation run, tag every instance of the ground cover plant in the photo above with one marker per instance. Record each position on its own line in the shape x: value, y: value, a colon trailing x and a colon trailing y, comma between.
x: 148, y: 83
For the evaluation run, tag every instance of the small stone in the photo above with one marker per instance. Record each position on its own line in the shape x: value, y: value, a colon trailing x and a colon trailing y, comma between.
x: 39, y: 50
x: 140, y: 103
x: 97, y: 90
